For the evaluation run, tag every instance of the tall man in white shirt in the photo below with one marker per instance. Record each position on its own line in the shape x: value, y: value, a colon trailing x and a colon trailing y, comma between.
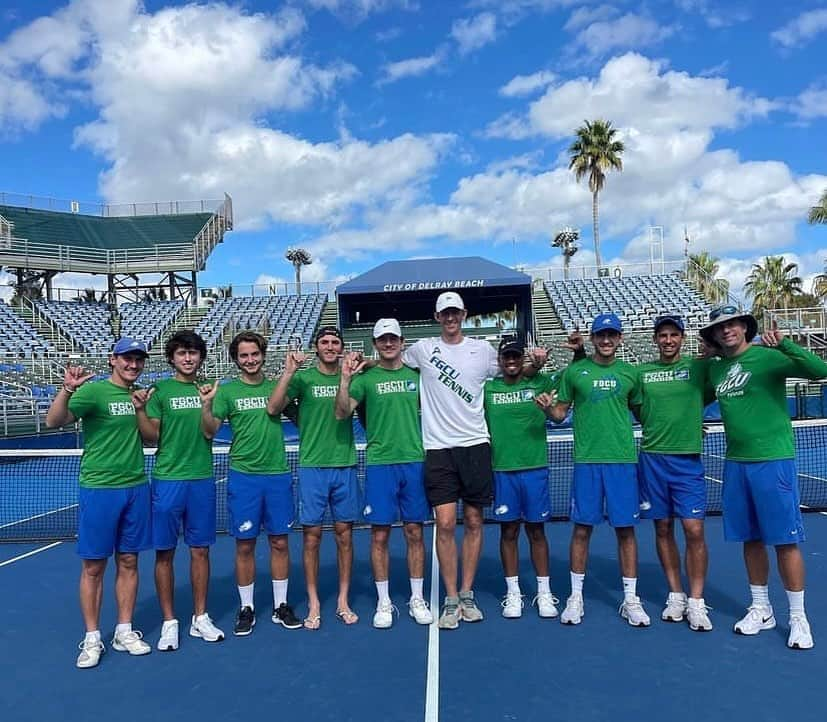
x: 453, y: 369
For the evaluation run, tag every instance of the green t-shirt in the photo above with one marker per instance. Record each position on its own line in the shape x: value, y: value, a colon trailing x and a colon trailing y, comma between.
x: 184, y: 453
x: 516, y: 424
x: 602, y: 396
x: 673, y: 406
x: 751, y: 391
x: 113, y: 456
x: 324, y: 440
x: 258, y: 441
x: 391, y: 398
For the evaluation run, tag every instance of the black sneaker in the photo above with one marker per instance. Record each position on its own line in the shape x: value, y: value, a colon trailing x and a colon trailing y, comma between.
x: 244, y: 622
x: 284, y: 616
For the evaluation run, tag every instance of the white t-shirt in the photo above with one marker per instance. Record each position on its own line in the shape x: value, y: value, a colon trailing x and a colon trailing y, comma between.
x: 452, y: 378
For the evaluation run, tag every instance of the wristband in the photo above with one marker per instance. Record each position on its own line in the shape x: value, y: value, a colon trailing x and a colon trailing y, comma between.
x: 68, y: 390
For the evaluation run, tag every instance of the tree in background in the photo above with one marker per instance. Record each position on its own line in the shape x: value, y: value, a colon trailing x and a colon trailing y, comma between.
x: 772, y: 284
x: 818, y: 213
x: 701, y: 273
x: 595, y: 152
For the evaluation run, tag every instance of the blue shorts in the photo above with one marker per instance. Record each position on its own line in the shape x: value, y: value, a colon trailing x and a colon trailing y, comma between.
x: 191, y: 503
x: 320, y: 486
x: 256, y: 499
x: 394, y: 492
x: 760, y: 500
x: 614, y: 484
x: 114, y: 520
x: 671, y: 485
x: 522, y: 495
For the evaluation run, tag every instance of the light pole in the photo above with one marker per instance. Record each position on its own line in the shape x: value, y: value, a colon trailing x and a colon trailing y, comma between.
x: 298, y: 257
x: 566, y: 241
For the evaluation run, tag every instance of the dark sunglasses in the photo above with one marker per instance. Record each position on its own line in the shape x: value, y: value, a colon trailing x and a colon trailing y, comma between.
x: 723, y: 311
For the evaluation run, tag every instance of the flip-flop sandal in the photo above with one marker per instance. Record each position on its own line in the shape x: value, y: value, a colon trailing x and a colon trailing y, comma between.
x: 313, y: 623
x: 346, y: 616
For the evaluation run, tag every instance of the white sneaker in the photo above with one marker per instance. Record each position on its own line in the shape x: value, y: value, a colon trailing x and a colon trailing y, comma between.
x: 202, y: 626
x: 383, y: 619
x: 757, y: 619
x: 697, y: 616
x: 168, y: 641
x: 418, y: 609
x: 546, y: 605
x: 512, y: 605
x: 132, y: 642
x: 574, y: 612
x: 800, y: 635
x: 90, y: 653
x: 633, y: 612
x: 675, y: 609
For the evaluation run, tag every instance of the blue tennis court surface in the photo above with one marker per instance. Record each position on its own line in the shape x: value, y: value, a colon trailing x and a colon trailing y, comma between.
x: 527, y: 669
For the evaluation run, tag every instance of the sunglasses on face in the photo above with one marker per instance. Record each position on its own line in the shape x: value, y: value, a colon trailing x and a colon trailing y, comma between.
x: 723, y: 311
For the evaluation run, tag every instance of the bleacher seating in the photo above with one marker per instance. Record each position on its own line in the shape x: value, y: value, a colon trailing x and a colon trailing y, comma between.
x: 89, y: 325
x: 637, y: 300
x: 148, y: 320
x: 281, y: 317
x: 18, y: 338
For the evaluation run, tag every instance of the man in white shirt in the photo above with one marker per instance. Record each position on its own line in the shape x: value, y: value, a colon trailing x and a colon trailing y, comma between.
x: 453, y: 370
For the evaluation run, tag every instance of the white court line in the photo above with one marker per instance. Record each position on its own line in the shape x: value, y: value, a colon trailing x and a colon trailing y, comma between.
x: 432, y: 680
x: 37, y: 516
x: 29, y: 554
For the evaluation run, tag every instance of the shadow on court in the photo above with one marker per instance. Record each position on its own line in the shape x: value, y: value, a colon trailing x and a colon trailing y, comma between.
x: 526, y: 669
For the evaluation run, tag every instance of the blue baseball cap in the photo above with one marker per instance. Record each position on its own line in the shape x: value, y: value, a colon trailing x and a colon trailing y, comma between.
x: 606, y: 322
x: 672, y: 318
x: 129, y: 345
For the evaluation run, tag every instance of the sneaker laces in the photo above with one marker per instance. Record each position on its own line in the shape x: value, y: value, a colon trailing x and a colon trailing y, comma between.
x: 545, y: 596
x: 510, y: 598
x: 632, y: 605
x: 387, y: 607
x: 130, y: 637
x: 88, y: 645
x: 417, y: 603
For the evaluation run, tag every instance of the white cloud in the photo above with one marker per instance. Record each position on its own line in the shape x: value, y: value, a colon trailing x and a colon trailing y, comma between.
x: 409, y: 68
x: 628, y: 31
x: 473, y: 33
x: 521, y: 85
x: 586, y: 15
x: 812, y: 103
x: 721, y: 14
x: 23, y: 105
x: 360, y: 9
x: 801, y: 29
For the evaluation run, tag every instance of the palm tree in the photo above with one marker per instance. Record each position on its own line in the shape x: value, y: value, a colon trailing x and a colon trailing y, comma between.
x: 298, y: 257
x: 701, y: 273
x: 595, y: 152
x: 772, y: 284
x: 818, y: 213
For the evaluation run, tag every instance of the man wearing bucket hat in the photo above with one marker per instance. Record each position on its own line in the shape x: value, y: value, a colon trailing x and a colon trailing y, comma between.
x: 760, y: 492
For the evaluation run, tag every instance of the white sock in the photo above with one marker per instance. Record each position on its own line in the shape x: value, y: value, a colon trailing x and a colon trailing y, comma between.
x: 629, y: 587
x: 123, y: 628
x: 577, y: 582
x: 279, y: 592
x: 760, y: 595
x: 93, y: 636
x: 796, y: 600
x: 677, y: 597
x: 417, y: 585
x: 513, y: 585
x: 246, y: 595
x: 382, y: 591
x: 543, y: 586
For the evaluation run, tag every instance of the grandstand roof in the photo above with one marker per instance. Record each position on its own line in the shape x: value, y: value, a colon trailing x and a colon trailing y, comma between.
x: 434, y: 274
x: 74, y: 229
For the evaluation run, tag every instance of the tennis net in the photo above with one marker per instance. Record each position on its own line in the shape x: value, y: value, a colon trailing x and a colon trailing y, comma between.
x: 39, y: 490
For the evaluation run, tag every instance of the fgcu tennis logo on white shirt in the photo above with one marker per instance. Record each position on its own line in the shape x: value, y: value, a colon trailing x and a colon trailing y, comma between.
x: 734, y: 381
x: 121, y: 408
x: 448, y: 376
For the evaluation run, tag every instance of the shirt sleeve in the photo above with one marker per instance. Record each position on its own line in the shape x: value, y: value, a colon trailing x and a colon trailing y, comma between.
x: 412, y: 356
x: 357, y: 388
x: 154, y: 407
x: 295, y: 387
x: 565, y: 392
x: 82, y: 401
x: 493, y: 367
x: 220, y: 404
x: 801, y: 362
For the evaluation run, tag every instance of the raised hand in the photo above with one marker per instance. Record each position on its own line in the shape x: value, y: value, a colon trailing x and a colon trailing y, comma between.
x: 773, y: 336
x: 293, y: 360
x: 140, y: 397
x: 575, y: 342
x: 538, y: 356
x: 75, y: 376
x: 207, y: 391
x: 546, y: 400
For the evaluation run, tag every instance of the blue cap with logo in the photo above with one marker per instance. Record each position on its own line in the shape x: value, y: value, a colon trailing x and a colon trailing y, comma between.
x: 606, y: 322
x: 129, y: 345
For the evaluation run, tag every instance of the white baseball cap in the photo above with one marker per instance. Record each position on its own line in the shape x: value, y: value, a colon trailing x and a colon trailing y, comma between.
x: 449, y: 299
x: 387, y: 325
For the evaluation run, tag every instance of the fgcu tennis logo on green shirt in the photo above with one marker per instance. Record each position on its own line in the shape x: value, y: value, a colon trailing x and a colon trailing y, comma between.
x: 605, y: 387
x: 654, y: 377
x: 176, y: 403
x: 734, y: 381
x: 513, y: 397
x: 252, y: 403
x: 325, y: 392
x: 395, y: 387
x: 121, y: 408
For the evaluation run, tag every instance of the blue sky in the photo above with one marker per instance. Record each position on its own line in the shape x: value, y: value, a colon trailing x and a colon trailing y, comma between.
x: 371, y: 130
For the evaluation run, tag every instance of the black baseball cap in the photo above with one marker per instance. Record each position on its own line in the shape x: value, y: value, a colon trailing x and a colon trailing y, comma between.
x: 512, y: 345
x: 329, y: 331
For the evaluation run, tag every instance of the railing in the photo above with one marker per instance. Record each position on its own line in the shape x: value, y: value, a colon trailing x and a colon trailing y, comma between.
x: 797, y: 320
x: 115, y: 210
x: 654, y: 267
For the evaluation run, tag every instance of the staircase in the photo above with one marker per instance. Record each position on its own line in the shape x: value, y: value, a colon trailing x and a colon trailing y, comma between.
x: 187, y: 320
x: 46, y: 329
x: 547, y: 322
x: 330, y: 315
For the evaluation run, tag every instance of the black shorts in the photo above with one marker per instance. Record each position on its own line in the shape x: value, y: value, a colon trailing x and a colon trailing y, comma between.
x: 461, y: 472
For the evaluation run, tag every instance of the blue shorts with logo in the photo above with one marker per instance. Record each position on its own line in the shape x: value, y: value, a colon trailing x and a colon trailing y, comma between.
x: 761, y: 503
x: 522, y: 495
x: 323, y: 486
x: 188, y: 503
x: 394, y: 492
x: 256, y: 499
x: 671, y: 485
x: 610, y: 486
x: 114, y: 520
